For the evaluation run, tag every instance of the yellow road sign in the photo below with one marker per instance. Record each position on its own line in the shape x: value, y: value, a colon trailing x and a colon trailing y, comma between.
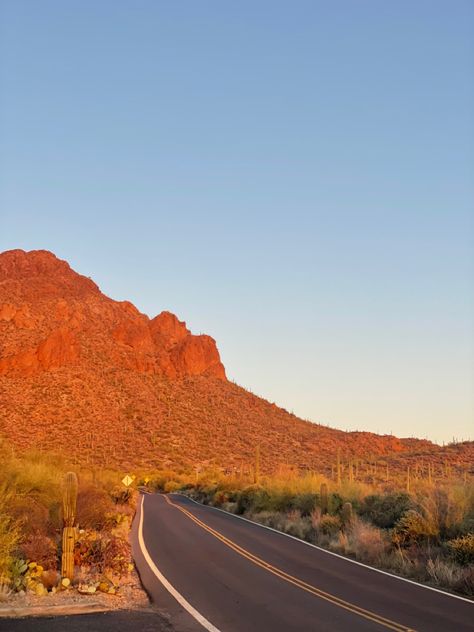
x: 127, y: 480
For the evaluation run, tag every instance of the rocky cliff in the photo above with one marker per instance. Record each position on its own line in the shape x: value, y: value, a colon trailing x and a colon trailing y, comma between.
x: 100, y: 382
x: 52, y: 317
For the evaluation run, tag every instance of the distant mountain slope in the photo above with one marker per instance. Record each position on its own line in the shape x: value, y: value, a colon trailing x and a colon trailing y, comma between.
x: 93, y: 377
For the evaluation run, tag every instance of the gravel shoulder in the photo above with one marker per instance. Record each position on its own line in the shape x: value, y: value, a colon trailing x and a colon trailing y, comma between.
x: 69, y: 602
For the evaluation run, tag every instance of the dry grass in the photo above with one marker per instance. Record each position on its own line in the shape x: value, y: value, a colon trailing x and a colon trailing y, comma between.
x: 5, y: 588
x: 9, y: 532
x: 366, y: 542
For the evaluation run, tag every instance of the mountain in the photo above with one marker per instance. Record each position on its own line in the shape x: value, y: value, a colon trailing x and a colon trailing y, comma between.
x: 101, y: 382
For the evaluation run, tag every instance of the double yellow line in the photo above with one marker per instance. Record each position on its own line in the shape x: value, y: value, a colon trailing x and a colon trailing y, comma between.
x: 372, y: 616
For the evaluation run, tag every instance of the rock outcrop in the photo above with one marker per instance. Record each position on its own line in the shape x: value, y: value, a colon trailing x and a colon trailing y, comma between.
x: 101, y: 383
x: 38, y: 292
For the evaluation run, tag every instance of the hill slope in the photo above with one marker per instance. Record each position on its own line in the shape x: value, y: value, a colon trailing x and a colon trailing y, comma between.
x: 92, y: 377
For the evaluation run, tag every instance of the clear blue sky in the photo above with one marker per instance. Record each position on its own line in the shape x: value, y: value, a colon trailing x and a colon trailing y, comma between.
x: 294, y: 178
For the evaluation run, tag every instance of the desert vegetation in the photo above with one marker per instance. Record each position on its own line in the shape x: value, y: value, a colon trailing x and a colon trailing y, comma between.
x: 415, y: 527
x: 61, y: 530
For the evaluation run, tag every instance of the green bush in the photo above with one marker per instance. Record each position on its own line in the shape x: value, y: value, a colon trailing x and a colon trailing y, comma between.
x: 412, y: 528
x: 281, y: 501
x: 385, y: 511
x: 253, y: 499
x: 9, y: 532
x: 171, y: 486
x: 329, y: 525
x: 462, y: 549
x: 306, y: 503
x: 335, y: 502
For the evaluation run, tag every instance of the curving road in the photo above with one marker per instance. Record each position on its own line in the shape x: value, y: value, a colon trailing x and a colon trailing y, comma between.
x: 213, y: 571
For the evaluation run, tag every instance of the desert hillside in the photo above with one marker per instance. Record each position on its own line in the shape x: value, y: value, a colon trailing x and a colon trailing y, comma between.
x: 94, y: 378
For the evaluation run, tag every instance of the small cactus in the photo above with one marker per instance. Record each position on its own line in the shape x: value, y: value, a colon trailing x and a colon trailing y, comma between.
x: 324, y: 498
x: 69, y: 531
x: 347, y: 516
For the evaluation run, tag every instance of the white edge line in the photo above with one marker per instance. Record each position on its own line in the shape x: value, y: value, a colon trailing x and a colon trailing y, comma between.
x: 171, y: 589
x: 320, y: 548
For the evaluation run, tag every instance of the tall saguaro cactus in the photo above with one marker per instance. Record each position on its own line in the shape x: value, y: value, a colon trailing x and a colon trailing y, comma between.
x: 338, y: 466
x: 69, y: 530
x: 323, y: 494
x: 256, y: 475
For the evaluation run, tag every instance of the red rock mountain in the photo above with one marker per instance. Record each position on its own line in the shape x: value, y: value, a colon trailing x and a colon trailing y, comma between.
x: 52, y: 317
x: 97, y: 380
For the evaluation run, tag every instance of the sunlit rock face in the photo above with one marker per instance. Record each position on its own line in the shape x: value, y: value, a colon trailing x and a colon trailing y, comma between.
x: 52, y: 317
x: 100, y: 383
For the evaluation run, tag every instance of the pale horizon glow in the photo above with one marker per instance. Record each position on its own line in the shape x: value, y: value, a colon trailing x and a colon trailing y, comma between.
x: 293, y: 179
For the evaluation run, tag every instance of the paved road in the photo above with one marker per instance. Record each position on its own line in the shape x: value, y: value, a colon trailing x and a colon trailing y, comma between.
x: 240, y: 577
x: 122, y: 621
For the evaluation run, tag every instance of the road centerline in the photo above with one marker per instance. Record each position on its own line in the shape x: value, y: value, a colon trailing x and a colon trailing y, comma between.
x: 362, y: 612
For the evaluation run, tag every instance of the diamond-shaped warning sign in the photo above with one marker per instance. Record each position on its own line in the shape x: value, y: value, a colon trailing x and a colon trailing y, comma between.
x: 127, y: 480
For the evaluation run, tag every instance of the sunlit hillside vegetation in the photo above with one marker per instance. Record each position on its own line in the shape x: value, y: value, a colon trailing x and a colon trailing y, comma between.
x: 31, y: 525
x: 416, y: 520
x: 421, y: 529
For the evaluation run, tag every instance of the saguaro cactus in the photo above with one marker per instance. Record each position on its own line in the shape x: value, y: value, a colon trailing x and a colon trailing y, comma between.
x: 347, y: 514
x: 69, y: 518
x: 256, y: 475
x: 351, y: 471
x: 323, y: 492
x: 338, y: 467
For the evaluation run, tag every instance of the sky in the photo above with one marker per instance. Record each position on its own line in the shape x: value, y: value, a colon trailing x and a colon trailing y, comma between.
x: 293, y: 178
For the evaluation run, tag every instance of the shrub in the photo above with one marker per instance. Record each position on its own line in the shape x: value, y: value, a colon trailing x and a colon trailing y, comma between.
x: 465, y: 583
x: 297, y: 526
x: 121, y: 496
x: 31, y: 514
x: 252, y: 499
x: 316, y: 518
x: 335, y: 502
x: 385, y: 511
x: 93, y: 508
x: 412, y: 528
x: 446, y: 508
x: 367, y: 542
x: 102, y: 553
x: 50, y: 578
x: 272, y: 501
x: 42, y: 550
x: 116, y: 555
x: 171, y: 486
x: 5, y: 588
x: 9, y: 533
x: 462, y: 549
x: 444, y: 573
x: 220, y: 498
x: 329, y: 525
x: 306, y: 503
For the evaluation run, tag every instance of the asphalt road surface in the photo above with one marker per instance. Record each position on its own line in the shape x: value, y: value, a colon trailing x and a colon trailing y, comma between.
x: 213, y: 571
x: 122, y: 621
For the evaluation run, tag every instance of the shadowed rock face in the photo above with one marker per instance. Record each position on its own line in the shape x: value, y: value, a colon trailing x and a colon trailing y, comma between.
x: 51, y: 317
